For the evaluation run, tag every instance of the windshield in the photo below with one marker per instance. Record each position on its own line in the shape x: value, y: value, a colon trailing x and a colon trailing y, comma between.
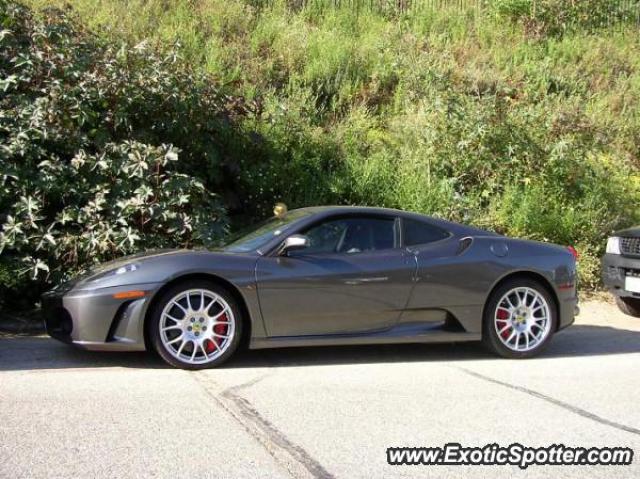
x: 255, y: 237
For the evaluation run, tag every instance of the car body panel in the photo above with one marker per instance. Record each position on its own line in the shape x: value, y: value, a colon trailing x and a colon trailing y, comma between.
x: 335, y: 293
x: 92, y: 296
x: 428, y: 293
x: 461, y: 283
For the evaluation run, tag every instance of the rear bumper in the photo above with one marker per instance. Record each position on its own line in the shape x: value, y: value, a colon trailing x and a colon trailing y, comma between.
x: 95, y: 320
x: 615, y: 268
x: 569, y: 308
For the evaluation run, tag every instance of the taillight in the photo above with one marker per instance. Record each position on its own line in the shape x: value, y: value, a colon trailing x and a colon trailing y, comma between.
x: 574, y: 252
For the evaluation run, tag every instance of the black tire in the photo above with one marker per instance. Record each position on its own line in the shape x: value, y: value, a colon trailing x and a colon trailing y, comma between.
x: 629, y: 306
x: 490, y: 337
x: 154, y: 318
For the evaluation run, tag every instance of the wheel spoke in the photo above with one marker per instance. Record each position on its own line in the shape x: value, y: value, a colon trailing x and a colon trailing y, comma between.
x: 179, y: 306
x: 224, y: 310
x: 180, y: 348
x: 169, y: 328
x: 211, y: 303
x: 204, y: 351
x: 168, y: 316
x: 176, y: 339
x: 523, y: 298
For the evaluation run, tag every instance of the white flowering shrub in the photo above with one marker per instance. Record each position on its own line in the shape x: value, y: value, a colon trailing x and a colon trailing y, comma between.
x: 103, y: 151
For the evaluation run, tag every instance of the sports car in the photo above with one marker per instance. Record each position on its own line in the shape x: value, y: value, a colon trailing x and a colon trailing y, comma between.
x: 324, y: 276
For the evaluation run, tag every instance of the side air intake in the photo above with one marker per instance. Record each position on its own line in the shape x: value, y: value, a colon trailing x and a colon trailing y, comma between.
x: 464, y: 245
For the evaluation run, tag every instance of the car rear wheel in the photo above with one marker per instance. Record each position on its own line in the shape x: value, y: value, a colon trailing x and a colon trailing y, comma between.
x: 520, y: 319
x: 195, y: 325
x: 630, y: 306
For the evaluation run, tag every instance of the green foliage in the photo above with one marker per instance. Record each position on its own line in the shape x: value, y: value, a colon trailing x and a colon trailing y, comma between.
x: 556, y: 17
x: 519, y: 116
x: 90, y: 159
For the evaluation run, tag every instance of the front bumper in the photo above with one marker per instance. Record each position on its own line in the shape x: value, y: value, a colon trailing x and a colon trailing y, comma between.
x: 615, y: 268
x: 93, y: 319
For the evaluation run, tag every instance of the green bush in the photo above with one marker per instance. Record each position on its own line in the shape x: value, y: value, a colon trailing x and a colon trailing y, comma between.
x: 95, y: 144
x: 556, y: 17
x: 520, y: 116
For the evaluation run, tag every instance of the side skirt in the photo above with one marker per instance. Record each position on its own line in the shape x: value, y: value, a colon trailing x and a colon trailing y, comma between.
x: 355, y: 339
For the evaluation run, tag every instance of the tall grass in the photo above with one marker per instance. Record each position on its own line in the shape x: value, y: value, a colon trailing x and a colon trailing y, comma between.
x: 515, y: 115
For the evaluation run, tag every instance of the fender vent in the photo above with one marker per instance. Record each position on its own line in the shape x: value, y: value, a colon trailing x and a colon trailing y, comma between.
x: 464, y: 245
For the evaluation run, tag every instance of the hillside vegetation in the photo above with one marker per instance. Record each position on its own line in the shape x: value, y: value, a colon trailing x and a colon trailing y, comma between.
x: 519, y: 116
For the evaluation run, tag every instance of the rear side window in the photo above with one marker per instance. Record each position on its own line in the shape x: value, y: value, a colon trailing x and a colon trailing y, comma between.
x: 417, y: 233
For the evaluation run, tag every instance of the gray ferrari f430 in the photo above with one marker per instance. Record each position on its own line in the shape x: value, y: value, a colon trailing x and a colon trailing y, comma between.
x: 324, y: 276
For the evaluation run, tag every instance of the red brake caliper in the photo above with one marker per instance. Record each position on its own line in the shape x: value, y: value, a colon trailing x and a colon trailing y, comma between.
x: 221, y: 328
x: 503, y: 314
x: 210, y: 347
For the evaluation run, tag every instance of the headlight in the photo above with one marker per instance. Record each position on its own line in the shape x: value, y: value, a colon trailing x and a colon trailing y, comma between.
x: 126, y: 269
x: 613, y: 245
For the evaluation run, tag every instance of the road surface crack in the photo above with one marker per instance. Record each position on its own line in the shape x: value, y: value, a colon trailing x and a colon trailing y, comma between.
x: 556, y: 402
x: 298, y: 462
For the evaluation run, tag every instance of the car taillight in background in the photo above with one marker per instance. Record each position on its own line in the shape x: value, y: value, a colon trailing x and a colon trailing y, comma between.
x: 574, y: 252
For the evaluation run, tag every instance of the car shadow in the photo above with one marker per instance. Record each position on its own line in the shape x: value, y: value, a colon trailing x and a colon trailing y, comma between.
x: 40, y: 352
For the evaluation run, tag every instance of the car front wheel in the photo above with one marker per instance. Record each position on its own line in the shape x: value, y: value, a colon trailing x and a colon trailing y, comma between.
x: 195, y: 325
x: 520, y: 319
x: 630, y: 306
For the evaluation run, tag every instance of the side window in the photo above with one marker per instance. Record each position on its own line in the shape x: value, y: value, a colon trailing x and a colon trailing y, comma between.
x: 417, y: 232
x: 324, y: 238
x: 351, y: 235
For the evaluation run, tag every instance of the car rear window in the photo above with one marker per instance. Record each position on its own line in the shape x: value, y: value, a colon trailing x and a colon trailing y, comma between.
x: 419, y: 232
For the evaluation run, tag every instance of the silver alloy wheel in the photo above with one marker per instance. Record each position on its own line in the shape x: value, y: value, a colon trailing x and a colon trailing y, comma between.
x: 197, y: 326
x: 522, y: 319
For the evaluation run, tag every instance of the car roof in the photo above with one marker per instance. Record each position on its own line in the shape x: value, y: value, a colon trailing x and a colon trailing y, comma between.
x: 452, y: 227
x: 349, y: 209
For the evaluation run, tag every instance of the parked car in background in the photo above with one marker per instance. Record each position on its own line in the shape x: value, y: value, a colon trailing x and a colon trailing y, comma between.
x: 621, y: 269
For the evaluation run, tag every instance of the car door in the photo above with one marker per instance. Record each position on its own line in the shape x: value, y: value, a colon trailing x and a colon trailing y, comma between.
x: 446, y: 281
x: 353, y: 278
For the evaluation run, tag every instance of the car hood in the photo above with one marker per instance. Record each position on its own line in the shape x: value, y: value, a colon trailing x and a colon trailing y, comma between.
x: 633, y: 232
x: 124, y: 260
x: 98, y: 270
x: 160, y: 266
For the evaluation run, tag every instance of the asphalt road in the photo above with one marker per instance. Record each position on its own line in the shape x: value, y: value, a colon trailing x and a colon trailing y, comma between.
x: 329, y: 412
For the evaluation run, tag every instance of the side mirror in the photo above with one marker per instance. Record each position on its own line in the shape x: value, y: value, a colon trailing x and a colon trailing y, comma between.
x: 293, y: 243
